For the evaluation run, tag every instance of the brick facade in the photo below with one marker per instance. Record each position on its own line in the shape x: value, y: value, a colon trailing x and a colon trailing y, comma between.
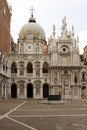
x: 5, y: 17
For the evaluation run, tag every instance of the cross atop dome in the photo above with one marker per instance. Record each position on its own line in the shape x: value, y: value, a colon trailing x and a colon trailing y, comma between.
x: 32, y: 10
x: 32, y: 19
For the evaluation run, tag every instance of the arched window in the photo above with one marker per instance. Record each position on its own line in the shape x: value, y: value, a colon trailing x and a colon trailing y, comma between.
x: 83, y: 75
x: 85, y: 61
x: 45, y: 67
x: 13, y: 68
x: 29, y: 68
x: 83, y: 87
x: 75, y: 79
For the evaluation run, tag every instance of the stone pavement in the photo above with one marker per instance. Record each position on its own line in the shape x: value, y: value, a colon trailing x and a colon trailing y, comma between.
x: 34, y: 115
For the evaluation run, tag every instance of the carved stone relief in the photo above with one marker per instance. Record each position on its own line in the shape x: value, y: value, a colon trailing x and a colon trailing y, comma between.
x: 84, y: 93
x: 37, y: 87
x: 37, y: 72
x: 21, y: 89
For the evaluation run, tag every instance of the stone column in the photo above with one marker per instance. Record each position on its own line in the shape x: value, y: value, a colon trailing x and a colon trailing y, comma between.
x: 9, y: 92
x: 25, y: 70
x: 18, y: 71
x: 34, y: 92
x: 5, y: 95
x: 41, y: 91
x: 18, y: 91
x: 2, y: 92
x: 25, y: 91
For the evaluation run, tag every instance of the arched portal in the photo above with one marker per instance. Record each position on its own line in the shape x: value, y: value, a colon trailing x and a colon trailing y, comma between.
x: 13, y: 91
x: 45, y: 90
x: 29, y: 91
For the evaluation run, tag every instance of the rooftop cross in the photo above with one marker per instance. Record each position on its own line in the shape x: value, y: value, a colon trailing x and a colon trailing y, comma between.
x: 32, y: 19
x: 32, y: 10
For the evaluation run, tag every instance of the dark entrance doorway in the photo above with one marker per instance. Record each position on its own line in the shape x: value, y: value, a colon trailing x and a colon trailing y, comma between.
x: 45, y: 90
x: 29, y: 91
x: 13, y: 91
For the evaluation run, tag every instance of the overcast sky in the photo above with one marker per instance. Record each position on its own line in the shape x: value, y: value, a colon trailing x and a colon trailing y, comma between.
x: 49, y: 13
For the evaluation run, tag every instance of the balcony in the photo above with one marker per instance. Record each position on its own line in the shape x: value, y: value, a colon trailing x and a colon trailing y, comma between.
x: 45, y: 75
x: 30, y: 75
x: 13, y: 75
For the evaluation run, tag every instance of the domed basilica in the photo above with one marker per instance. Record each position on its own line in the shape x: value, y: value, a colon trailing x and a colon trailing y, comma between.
x: 38, y: 68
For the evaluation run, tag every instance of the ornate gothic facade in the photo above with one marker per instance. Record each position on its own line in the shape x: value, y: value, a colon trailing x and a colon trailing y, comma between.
x: 37, y: 68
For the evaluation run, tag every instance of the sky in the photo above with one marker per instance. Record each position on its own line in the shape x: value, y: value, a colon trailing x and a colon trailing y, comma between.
x: 49, y: 13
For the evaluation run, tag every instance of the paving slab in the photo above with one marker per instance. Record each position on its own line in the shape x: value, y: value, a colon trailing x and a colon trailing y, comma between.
x: 33, y: 115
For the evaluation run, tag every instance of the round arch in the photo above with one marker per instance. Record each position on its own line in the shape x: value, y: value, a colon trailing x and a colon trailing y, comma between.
x: 45, y: 90
x: 29, y: 67
x: 30, y: 90
x: 45, y: 67
x: 14, y: 67
x: 13, y: 90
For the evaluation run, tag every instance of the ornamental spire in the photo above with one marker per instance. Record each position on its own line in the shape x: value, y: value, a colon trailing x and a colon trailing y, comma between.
x: 54, y: 31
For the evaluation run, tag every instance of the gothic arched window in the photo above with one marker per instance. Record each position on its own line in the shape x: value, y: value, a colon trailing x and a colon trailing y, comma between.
x: 13, y: 68
x: 29, y: 68
x: 45, y: 67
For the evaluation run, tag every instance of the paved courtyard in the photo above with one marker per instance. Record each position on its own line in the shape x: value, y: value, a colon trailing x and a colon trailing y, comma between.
x: 35, y: 115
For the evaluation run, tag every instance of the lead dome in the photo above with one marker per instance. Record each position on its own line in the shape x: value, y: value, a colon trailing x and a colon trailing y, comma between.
x: 32, y: 28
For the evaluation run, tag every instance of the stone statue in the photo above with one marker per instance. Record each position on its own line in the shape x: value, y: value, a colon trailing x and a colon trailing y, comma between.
x: 64, y: 22
x: 73, y: 30
x: 64, y: 29
x: 21, y: 48
x: 37, y: 72
x: 37, y: 89
x: 55, y: 77
x: 66, y: 83
x: 21, y: 71
x: 54, y: 30
x: 21, y: 89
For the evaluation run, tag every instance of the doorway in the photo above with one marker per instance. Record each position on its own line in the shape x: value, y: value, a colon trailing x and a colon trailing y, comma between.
x: 13, y: 91
x: 45, y: 90
x: 29, y: 91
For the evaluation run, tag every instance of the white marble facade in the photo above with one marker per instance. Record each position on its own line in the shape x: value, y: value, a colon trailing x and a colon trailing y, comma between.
x: 37, y: 68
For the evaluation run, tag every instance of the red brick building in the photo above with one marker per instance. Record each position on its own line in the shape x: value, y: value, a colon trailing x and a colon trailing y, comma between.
x: 5, y: 18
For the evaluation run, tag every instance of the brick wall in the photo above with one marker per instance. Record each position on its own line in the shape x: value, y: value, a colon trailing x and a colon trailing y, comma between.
x: 5, y: 17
